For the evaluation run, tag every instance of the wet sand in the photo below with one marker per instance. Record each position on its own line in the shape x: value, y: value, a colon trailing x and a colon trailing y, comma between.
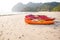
x: 13, y: 27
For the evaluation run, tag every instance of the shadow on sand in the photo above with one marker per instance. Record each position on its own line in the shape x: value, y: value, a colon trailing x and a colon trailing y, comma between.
x: 57, y: 23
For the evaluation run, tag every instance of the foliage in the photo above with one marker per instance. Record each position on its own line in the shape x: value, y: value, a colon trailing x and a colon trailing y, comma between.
x: 35, y: 7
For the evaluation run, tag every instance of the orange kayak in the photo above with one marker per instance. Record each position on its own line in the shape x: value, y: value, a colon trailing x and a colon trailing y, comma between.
x: 38, y: 22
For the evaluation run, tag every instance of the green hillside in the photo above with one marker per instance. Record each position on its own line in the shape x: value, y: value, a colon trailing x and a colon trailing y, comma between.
x: 36, y: 7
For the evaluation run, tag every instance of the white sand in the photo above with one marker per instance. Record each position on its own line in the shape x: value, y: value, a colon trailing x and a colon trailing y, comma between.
x: 13, y: 27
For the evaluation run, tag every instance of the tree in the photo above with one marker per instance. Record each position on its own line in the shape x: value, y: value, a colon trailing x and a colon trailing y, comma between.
x: 57, y: 8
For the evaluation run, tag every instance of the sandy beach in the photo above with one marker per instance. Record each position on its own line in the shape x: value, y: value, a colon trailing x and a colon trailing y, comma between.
x: 13, y: 27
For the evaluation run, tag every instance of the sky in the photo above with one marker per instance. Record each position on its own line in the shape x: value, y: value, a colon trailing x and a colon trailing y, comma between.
x: 6, y: 5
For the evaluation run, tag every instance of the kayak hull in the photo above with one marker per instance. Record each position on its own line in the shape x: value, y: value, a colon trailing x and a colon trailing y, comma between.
x: 39, y: 22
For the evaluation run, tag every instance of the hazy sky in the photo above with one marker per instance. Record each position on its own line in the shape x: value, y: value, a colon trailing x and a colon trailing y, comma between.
x: 6, y: 5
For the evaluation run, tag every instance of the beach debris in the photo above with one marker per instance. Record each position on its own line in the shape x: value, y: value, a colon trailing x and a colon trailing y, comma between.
x: 19, y: 37
x: 8, y: 39
x: 22, y: 35
x: 1, y: 33
x: 2, y: 25
x: 55, y: 27
x: 59, y: 37
x: 33, y: 29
